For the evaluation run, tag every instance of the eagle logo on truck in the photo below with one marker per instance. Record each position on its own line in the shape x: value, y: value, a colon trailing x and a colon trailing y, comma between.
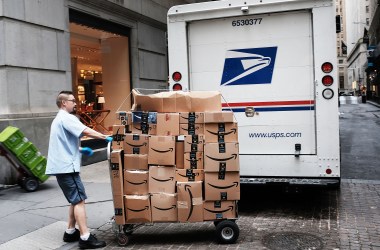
x: 249, y: 66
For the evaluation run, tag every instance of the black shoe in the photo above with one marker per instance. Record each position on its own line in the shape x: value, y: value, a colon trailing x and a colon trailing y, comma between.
x: 71, y: 237
x: 91, y: 243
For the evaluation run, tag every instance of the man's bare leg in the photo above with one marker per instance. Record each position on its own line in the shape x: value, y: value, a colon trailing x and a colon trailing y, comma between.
x: 72, y: 221
x: 80, y: 217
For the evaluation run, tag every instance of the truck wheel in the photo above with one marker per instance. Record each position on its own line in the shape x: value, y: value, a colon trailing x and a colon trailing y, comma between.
x: 122, y: 239
x: 227, y: 232
x: 30, y: 184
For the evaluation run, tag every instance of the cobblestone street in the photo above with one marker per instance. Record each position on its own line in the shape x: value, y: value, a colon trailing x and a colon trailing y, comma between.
x: 331, y: 219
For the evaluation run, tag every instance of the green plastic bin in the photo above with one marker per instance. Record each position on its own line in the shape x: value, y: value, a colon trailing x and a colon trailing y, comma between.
x: 39, y: 168
x: 13, y: 139
x: 28, y: 153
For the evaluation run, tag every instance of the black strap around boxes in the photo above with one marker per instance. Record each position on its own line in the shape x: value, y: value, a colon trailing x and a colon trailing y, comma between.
x: 222, y: 147
x: 221, y: 132
x: 194, y: 139
x: 144, y: 127
x: 190, y: 175
x: 114, y: 166
x: 191, y: 129
x: 136, y: 137
x: 223, y: 196
x: 144, y: 117
x: 194, y: 147
x: 217, y: 204
x: 136, y: 151
x: 118, y: 211
x: 222, y: 170
x: 193, y: 160
x: 191, y: 117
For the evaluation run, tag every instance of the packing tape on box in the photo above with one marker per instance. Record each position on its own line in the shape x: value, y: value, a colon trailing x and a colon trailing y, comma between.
x: 182, y: 204
x: 197, y: 201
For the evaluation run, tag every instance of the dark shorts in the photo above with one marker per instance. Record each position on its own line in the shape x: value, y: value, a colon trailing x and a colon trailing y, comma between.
x: 72, y: 187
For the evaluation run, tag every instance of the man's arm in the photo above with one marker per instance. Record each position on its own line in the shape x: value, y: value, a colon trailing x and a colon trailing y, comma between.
x: 93, y: 134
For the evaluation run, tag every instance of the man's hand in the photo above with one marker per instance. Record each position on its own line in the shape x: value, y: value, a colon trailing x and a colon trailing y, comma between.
x: 86, y: 151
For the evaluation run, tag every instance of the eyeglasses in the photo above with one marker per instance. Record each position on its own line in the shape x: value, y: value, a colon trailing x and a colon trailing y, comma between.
x: 73, y: 101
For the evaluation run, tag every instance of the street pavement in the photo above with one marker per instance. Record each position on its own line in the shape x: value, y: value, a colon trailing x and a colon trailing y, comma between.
x: 269, y: 218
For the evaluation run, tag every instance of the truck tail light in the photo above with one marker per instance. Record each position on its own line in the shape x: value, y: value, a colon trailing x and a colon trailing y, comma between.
x: 327, y: 67
x: 177, y: 87
x: 327, y: 80
x: 177, y: 76
x: 328, y: 93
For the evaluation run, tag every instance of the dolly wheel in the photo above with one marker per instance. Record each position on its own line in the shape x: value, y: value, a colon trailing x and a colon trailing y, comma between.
x: 227, y: 232
x: 128, y: 229
x: 30, y: 184
x: 122, y: 239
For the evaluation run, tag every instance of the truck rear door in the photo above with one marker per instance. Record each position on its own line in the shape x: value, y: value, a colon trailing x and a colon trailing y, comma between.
x: 262, y: 64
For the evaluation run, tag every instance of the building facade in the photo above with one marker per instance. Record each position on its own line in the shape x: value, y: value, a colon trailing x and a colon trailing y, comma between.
x: 357, y: 24
x: 373, y: 66
x: 100, y: 49
x: 341, y: 46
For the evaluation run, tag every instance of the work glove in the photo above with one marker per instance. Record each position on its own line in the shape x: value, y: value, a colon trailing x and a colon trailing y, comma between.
x: 109, y: 139
x: 87, y: 151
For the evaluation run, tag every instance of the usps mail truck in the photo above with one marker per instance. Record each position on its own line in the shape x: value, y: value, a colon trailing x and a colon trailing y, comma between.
x: 274, y: 61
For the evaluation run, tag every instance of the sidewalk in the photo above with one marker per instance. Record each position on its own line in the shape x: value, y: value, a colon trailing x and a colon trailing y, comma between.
x: 37, y: 220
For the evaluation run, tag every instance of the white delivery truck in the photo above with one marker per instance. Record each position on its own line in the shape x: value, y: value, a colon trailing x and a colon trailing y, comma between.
x: 274, y: 61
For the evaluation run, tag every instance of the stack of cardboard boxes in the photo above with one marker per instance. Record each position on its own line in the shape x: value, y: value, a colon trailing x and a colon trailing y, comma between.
x: 176, y: 160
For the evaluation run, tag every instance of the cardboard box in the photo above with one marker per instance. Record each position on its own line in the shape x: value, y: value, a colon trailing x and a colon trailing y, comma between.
x: 162, y: 179
x: 116, y: 172
x: 118, y: 134
x: 191, y: 117
x: 205, y: 101
x: 164, y: 207
x: 218, y: 210
x: 161, y: 150
x: 190, y: 203
x: 118, y: 204
x: 222, y: 187
x: 143, y: 128
x: 168, y: 124
x: 219, y: 117
x: 191, y: 129
x: 177, y: 101
x: 137, y: 208
x: 194, y: 143
x: 188, y: 175
x: 221, y: 132
x: 136, y: 182
x: 135, y: 161
x: 179, y: 154
x: 193, y: 160
x: 123, y: 118
x: 219, y: 156
x: 136, y: 144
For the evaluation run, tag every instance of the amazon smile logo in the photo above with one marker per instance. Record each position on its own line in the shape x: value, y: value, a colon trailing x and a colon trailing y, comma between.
x: 234, y: 184
x: 163, y: 151
x: 163, y: 180
x: 138, y: 210
x: 137, y: 145
x: 165, y: 209
x: 138, y: 183
x: 233, y: 156
x: 233, y: 130
x: 230, y: 208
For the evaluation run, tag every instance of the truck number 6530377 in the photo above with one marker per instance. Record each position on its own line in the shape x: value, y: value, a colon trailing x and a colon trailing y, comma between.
x: 252, y: 21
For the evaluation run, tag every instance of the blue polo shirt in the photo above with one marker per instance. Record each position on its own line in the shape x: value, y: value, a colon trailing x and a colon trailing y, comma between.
x: 64, y: 143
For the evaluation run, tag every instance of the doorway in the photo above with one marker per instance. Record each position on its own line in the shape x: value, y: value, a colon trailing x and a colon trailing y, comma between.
x: 100, y: 66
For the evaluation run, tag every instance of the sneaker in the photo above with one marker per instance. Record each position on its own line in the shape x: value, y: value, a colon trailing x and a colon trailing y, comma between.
x: 91, y: 243
x: 71, y: 237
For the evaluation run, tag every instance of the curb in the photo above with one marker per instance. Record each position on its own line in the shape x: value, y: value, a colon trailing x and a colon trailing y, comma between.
x: 374, y: 103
